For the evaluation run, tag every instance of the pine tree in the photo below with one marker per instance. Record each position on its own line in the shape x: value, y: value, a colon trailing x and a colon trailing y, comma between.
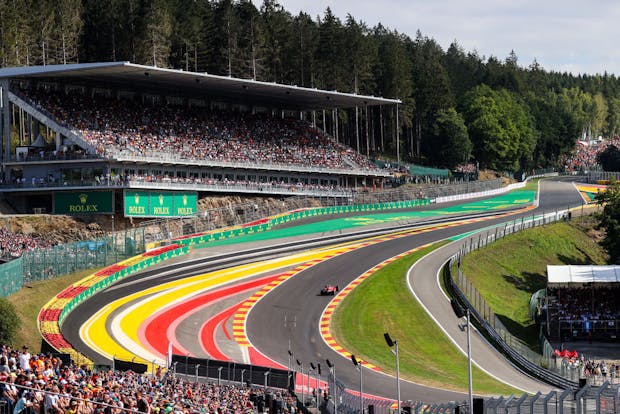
x: 304, y: 63
x: 155, y: 42
x: 276, y: 24
x: 69, y: 24
x: 188, y: 26
x: 330, y: 53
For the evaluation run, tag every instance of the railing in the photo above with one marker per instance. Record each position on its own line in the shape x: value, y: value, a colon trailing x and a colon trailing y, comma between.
x: 514, y: 347
x: 204, y: 368
x: 158, y: 157
x: 60, y: 157
x: 46, y: 263
x: 595, y: 176
x: 603, y: 399
x: 250, y: 188
x: 41, y: 264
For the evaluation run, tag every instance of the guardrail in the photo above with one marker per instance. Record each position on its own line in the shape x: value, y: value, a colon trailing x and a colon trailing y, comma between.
x: 467, y: 294
x: 486, y: 193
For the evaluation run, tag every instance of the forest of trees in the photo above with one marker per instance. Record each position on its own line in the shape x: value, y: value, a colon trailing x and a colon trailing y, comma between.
x: 457, y: 106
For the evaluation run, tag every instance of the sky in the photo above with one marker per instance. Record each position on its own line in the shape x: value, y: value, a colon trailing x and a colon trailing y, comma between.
x: 562, y: 35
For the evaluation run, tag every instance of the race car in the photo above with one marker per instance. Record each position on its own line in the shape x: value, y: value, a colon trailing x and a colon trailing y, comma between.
x: 329, y: 290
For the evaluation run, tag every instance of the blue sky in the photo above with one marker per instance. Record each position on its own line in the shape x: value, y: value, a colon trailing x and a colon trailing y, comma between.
x: 574, y: 36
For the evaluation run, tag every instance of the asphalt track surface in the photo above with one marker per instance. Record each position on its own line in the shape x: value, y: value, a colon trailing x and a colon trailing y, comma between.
x: 267, y: 333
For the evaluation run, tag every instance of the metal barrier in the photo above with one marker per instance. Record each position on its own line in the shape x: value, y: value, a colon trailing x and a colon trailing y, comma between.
x: 604, y: 399
x: 595, y: 176
x: 11, y: 277
x: 232, y: 372
x: 43, y: 264
x: 557, y: 372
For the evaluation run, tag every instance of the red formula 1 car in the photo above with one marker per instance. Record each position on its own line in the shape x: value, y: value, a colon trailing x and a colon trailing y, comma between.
x: 329, y: 290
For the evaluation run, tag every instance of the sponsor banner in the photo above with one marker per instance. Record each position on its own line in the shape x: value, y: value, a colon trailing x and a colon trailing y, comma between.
x: 185, y: 204
x: 136, y: 203
x: 159, y: 203
x: 83, y: 202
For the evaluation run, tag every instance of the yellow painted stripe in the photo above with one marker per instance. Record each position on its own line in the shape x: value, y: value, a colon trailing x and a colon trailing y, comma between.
x: 96, y: 336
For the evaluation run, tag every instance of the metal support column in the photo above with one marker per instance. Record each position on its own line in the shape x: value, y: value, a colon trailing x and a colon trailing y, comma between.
x: 5, y: 121
x: 397, y: 134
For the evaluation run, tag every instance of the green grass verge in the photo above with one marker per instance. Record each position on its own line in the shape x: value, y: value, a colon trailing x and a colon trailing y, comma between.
x: 532, y: 185
x: 383, y: 303
x: 30, y: 299
x: 509, y: 271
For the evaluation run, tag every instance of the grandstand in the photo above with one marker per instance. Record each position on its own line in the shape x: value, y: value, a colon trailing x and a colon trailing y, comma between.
x: 582, y: 303
x: 146, y: 141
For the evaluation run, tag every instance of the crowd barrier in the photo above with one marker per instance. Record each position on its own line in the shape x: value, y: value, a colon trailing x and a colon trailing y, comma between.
x: 604, y: 399
x: 232, y: 372
x: 46, y: 263
x: 11, y: 277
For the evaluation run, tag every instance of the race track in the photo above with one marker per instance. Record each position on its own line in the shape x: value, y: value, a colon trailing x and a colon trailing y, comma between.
x: 236, y: 310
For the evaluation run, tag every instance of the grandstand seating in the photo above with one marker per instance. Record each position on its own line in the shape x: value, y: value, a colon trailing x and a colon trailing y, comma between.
x: 584, y: 312
x: 122, y: 127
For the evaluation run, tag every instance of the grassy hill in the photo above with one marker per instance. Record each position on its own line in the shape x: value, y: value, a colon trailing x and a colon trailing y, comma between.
x: 508, y: 272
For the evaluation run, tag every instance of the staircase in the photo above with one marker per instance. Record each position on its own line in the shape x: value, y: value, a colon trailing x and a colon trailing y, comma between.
x: 47, y: 119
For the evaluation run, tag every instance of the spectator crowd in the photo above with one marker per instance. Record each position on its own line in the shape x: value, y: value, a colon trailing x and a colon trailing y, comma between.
x: 123, y: 127
x: 584, y: 156
x: 12, y: 245
x: 42, y: 384
x: 587, y: 303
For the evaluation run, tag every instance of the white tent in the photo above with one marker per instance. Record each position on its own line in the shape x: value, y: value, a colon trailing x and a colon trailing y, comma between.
x: 39, y: 142
x: 565, y: 275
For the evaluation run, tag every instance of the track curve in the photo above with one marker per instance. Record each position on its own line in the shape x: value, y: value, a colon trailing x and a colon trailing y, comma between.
x: 291, y: 298
x: 294, y: 298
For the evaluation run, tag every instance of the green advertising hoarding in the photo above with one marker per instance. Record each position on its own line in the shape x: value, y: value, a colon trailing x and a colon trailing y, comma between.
x: 185, y: 204
x: 83, y: 202
x: 159, y: 204
x: 136, y: 203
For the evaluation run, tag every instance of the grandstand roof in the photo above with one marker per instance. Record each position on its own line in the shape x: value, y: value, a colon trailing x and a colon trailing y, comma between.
x: 172, y: 81
x: 582, y: 274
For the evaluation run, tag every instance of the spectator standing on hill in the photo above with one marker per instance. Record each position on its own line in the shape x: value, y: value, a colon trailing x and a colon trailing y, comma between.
x: 24, y: 359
